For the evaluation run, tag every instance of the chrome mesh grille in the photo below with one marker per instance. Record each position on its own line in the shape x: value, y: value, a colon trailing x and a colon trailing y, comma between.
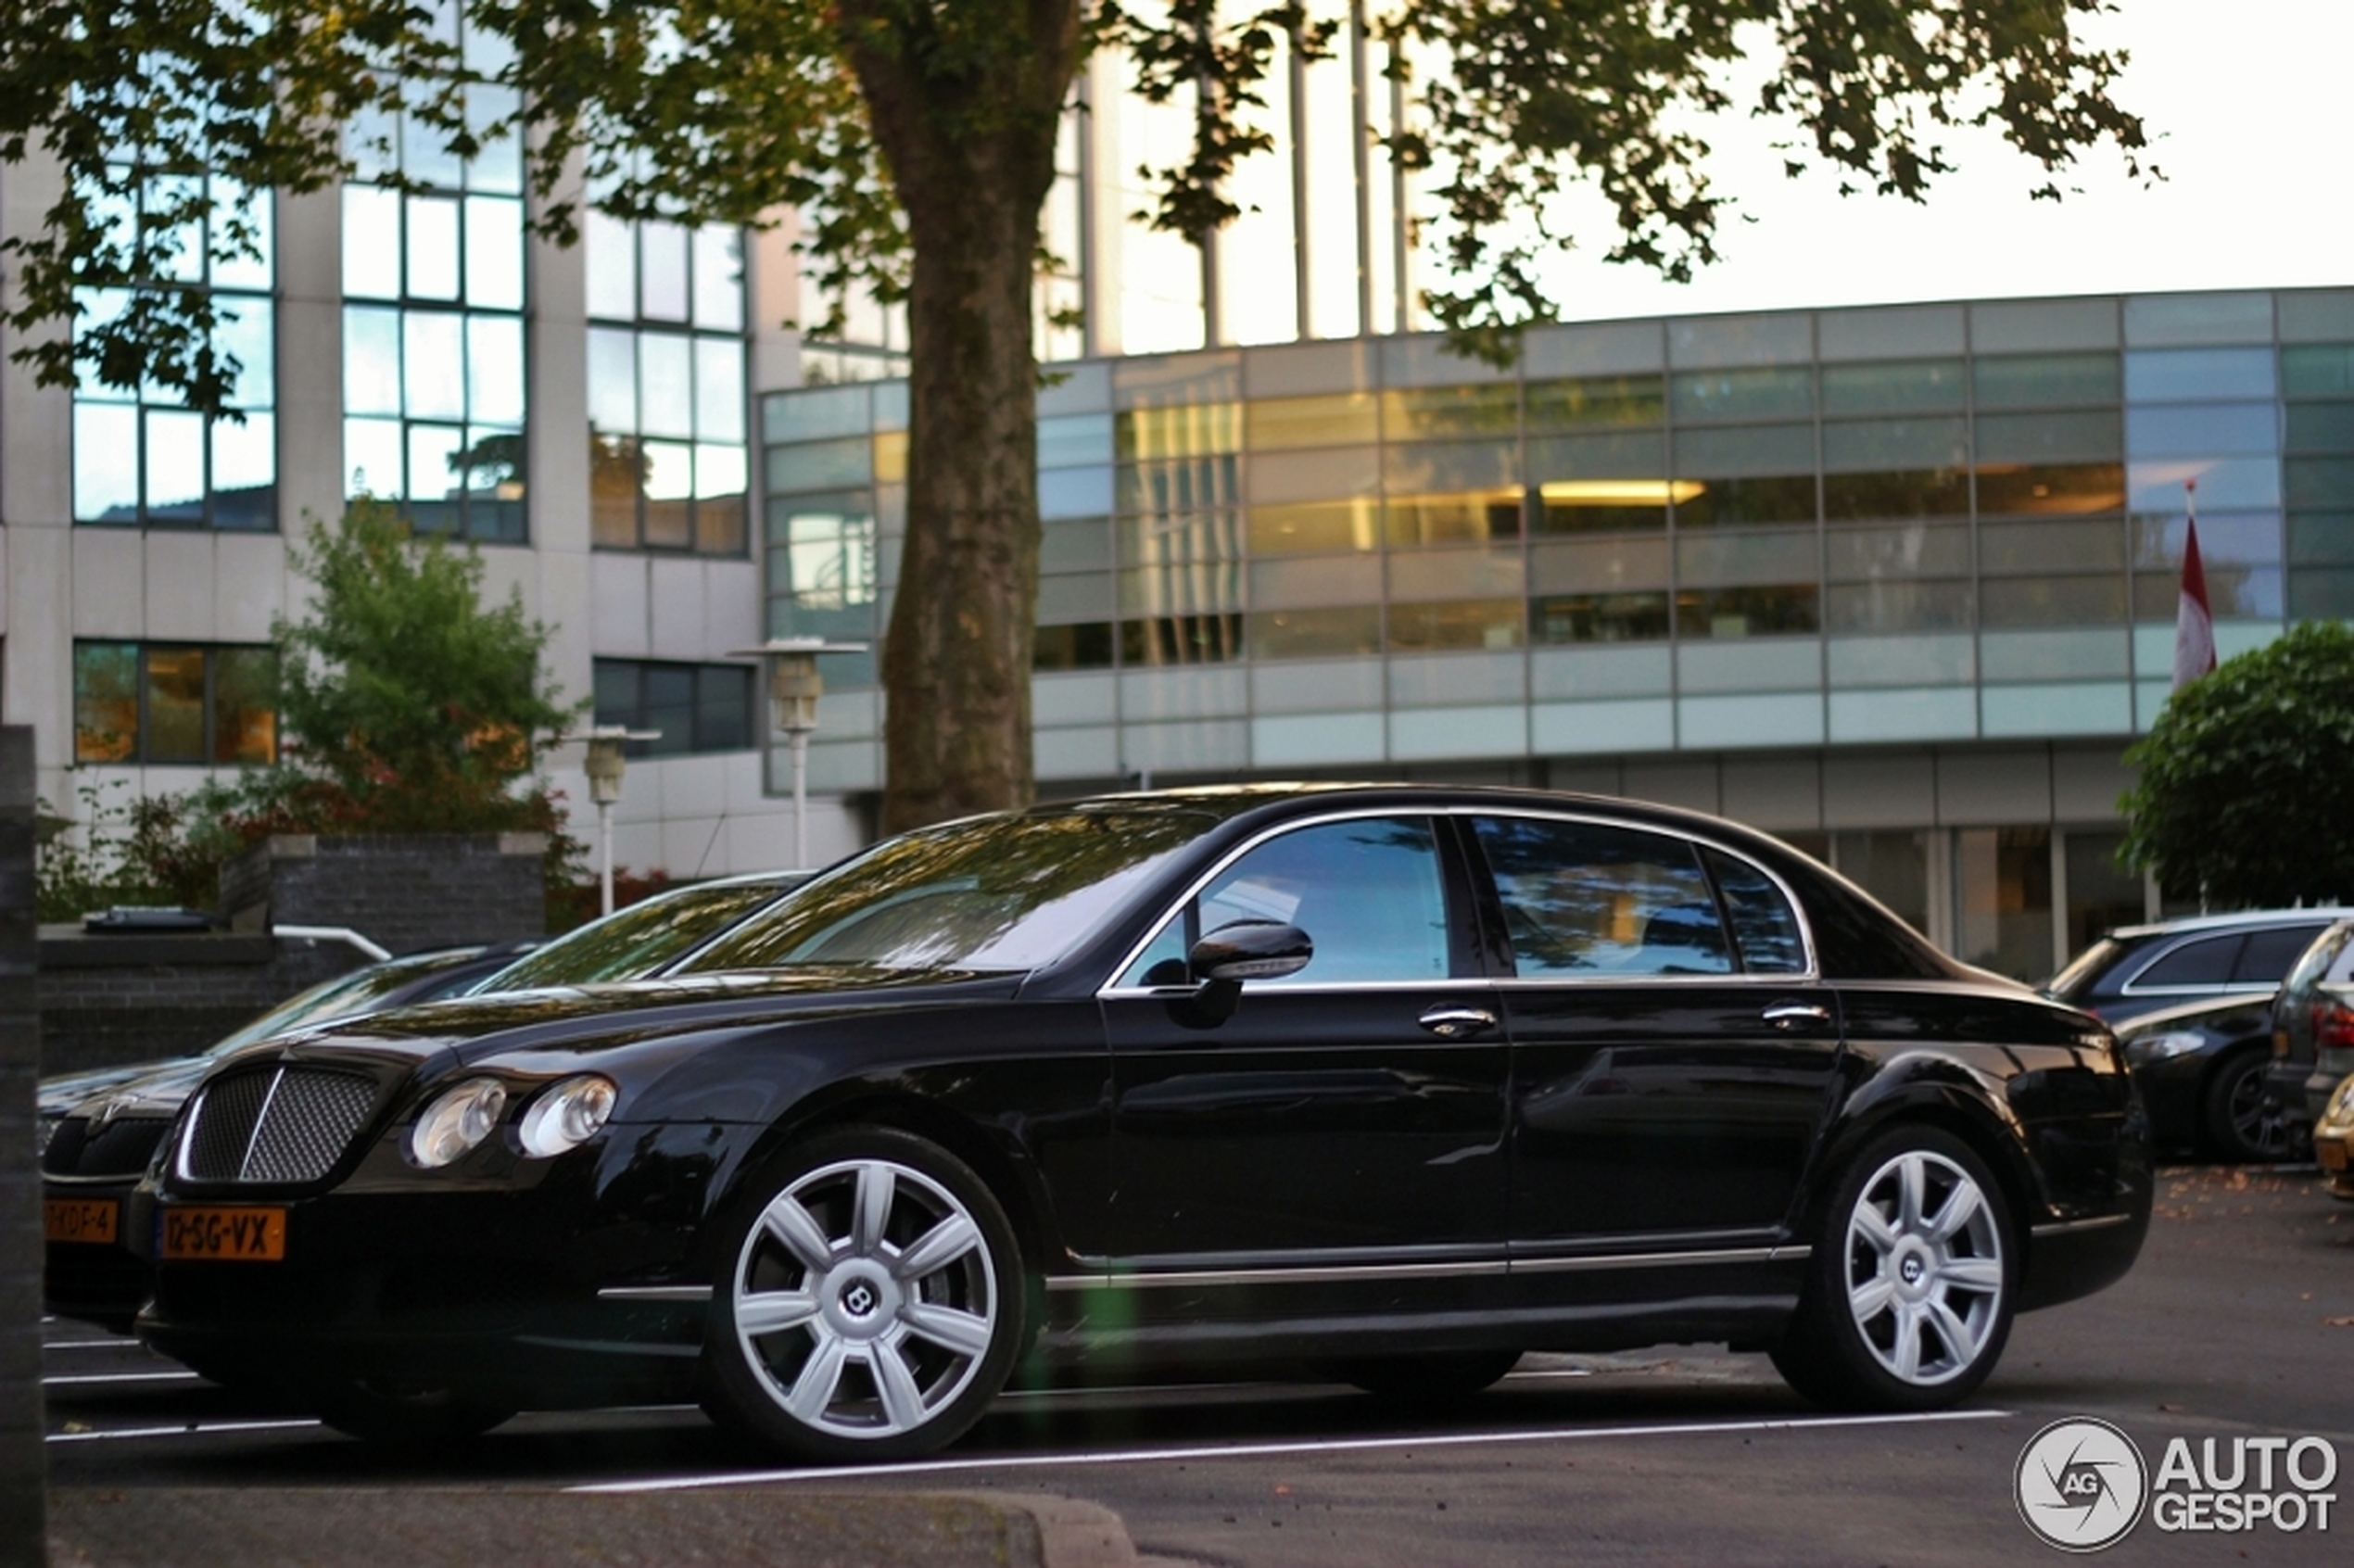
x: 289, y: 1124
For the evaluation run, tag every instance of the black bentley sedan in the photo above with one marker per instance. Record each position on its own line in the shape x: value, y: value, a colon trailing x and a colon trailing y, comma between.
x: 1399, y: 1081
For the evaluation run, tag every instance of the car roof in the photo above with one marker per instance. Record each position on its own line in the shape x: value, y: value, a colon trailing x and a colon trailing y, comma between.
x: 2320, y: 915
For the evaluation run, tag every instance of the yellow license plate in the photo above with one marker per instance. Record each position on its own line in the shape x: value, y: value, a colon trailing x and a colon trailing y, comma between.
x: 240, y: 1236
x: 2329, y: 1154
x: 79, y: 1219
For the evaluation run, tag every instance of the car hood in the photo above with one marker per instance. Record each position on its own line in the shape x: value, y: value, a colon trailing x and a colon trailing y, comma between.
x: 63, y: 1095
x: 585, y: 1019
x: 2205, y: 1012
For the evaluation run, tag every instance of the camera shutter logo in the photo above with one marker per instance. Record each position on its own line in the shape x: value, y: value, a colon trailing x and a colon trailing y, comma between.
x: 2081, y: 1485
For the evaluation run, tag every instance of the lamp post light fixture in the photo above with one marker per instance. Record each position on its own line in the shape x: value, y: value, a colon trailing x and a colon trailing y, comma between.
x: 603, y: 765
x: 794, y: 686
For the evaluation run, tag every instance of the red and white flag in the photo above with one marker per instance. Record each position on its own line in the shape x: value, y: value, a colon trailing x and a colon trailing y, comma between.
x: 2194, y: 623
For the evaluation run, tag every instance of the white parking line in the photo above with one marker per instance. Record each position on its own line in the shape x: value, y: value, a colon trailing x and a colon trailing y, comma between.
x: 1262, y: 1451
x: 120, y: 1377
x: 186, y: 1429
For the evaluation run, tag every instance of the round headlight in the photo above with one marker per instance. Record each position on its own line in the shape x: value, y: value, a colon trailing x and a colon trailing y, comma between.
x: 456, y: 1122
x: 567, y: 1114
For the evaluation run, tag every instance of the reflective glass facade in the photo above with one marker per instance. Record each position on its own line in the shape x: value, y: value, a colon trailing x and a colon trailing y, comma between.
x: 433, y: 327
x: 1941, y: 524
x: 666, y: 399
x: 141, y: 456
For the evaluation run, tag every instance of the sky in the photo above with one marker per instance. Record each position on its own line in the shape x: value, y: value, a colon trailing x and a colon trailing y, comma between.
x: 2246, y: 102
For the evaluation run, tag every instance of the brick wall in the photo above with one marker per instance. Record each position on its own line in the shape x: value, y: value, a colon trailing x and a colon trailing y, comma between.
x: 24, y: 1462
x: 404, y: 892
x: 110, y: 999
x: 123, y: 998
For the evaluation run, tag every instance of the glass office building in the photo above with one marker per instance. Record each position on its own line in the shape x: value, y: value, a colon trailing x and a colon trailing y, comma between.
x: 1896, y: 583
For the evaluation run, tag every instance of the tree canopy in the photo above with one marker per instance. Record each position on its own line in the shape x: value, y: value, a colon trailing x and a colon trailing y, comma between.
x: 916, y: 139
x: 2244, y: 797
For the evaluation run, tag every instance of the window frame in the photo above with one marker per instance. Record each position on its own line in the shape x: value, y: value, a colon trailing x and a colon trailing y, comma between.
x: 141, y: 648
x: 638, y: 718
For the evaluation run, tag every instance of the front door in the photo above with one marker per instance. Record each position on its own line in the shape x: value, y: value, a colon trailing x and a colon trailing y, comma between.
x: 1352, y: 1113
x: 1673, y: 1052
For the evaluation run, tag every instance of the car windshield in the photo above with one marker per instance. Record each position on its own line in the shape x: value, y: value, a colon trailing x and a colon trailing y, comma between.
x: 997, y: 893
x: 2086, y: 967
x: 632, y: 942
x: 353, y: 993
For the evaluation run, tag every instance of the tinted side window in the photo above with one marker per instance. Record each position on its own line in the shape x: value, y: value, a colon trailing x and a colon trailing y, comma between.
x: 2204, y: 962
x: 2267, y: 958
x: 1367, y: 892
x: 1586, y: 898
x: 1765, y: 927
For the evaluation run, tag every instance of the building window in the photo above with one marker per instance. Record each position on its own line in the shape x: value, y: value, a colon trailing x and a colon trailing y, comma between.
x: 666, y: 397
x: 433, y: 326
x: 174, y: 703
x: 144, y: 457
x: 697, y: 707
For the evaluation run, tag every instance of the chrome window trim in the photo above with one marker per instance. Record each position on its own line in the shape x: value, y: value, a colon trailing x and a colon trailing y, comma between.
x: 655, y: 1292
x: 2132, y: 987
x: 1812, y: 974
x: 1348, y: 1273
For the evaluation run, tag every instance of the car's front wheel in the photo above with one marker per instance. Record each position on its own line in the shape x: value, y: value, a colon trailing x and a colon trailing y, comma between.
x: 871, y: 1303
x: 1908, y: 1294
x: 2243, y: 1122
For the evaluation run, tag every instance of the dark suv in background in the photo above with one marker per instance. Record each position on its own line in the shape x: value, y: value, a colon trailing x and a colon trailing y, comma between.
x: 2192, y: 1002
x: 2138, y: 969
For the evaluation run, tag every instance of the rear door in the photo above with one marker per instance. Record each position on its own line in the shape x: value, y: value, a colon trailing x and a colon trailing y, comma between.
x: 1673, y: 1049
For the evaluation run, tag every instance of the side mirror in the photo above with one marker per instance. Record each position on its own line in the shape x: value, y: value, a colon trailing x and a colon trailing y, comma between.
x: 1245, y: 950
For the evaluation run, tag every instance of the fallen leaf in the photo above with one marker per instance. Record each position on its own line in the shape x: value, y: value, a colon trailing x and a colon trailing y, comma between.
x: 2345, y: 1322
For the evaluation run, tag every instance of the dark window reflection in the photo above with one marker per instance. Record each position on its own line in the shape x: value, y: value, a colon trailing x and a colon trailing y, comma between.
x: 1775, y: 498
x: 1599, y: 617
x: 1765, y: 931
x: 1774, y: 610
x: 698, y: 708
x: 1084, y: 646
x: 1587, y: 900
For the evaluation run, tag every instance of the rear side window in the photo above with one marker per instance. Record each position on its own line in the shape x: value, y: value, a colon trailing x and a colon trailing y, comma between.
x: 2208, y: 961
x: 1765, y: 927
x: 2269, y: 955
x: 1585, y: 899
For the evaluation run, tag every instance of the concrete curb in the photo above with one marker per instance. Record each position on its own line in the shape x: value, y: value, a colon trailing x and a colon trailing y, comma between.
x: 441, y: 1526
x: 1070, y: 1534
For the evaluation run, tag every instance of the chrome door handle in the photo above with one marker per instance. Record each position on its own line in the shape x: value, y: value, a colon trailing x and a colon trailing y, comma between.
x: 1789, y: 1015
x: 1450, y: 1020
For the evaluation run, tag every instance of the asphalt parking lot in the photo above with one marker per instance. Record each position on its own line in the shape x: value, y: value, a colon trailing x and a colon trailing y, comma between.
x: 2236, y: 1326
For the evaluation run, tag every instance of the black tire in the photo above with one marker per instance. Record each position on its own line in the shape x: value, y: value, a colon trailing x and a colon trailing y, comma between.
x: 1444, y: 1379
x: 402, y: 1417
x: 2239, y: 1122
x: 1908, y: 1301
x: 886, y: 1300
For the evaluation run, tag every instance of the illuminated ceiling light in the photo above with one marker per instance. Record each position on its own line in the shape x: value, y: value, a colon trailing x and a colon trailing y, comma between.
x: 1621, y: 492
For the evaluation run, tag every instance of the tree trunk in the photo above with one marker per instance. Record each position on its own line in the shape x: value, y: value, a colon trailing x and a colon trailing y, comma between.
x: 972, y: 157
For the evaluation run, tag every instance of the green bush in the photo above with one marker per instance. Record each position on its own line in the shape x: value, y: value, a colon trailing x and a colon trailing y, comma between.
x: 2245, y: 794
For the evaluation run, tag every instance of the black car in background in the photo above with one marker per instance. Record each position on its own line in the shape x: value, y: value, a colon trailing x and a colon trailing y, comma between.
x: 2313, y: 1028
x: 106, y: 1125
x: 2138, y: 969
x: 2200, y: 1068
x: 1401, y: 1081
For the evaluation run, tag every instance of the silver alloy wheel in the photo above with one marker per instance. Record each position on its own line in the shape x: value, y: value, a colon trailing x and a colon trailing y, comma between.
x: 1924, y: 1269
x: 865, y: 1300
x: 2259, y: 1126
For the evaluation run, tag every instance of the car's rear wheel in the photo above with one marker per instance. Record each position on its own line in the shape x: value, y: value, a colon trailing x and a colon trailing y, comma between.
x: 402, y: 1416
x: 871, y: 1303
x: 1908, y: 1294
x: 1441, y: 1379
x: 2243, y: 1124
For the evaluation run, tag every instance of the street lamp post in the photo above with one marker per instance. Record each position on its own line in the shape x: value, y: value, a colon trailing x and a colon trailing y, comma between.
x: 604, y: 765
x: 794, y: 686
